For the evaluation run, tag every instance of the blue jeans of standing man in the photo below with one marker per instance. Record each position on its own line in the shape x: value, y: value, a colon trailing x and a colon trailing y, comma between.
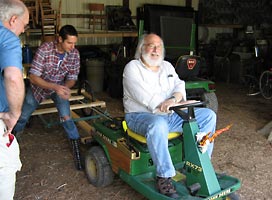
x: 156, y: 128
x: 63, y: 107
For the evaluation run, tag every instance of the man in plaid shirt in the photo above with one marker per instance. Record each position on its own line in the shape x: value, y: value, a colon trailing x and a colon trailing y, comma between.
x: 54, y: 71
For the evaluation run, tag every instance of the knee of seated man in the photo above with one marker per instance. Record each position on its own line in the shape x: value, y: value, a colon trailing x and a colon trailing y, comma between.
x: 68, y: 123
x: 211, y: 115
x: 65, y: 118
x: 208, y: 113
x: 159, y: 125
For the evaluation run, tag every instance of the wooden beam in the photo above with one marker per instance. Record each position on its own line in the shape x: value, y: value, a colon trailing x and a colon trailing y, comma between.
x: 72, y: 107
x: 108, y: 34
x: 72, y: 98
x: 75, y: 15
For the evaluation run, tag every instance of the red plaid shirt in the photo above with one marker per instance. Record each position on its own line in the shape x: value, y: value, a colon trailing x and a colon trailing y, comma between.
x: 45, y: 65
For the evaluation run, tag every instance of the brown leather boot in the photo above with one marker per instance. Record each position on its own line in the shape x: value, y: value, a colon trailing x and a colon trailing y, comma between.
x: 165, y: 186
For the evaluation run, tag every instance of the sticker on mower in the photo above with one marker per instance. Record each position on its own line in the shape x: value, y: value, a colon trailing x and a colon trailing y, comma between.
x: 221, y: 194
x: 191, y: 63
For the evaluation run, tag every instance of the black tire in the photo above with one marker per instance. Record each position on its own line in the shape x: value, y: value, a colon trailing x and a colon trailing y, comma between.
x: 211, y: 99
x: 233, y: 196
x: 97, y: 167
x: 252, y: 84
x: 266, y: 84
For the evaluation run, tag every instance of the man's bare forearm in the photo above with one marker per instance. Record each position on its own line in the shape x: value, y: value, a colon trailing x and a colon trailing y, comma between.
x: 70, y: 83
x: 15, y: 90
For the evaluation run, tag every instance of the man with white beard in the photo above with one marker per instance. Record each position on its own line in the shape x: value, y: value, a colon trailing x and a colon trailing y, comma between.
x: 151, y: 86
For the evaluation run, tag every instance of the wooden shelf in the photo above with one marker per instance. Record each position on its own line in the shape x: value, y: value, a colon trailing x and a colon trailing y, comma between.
x: 223, y: 25
x: 109, y: 34
x: 75, y: 15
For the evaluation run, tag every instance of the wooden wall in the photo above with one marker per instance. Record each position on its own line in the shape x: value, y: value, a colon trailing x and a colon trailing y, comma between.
x: 81, y: 7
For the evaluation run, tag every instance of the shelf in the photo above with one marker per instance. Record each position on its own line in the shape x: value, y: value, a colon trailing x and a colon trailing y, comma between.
x: 108, y: 34
x: 238, y: 26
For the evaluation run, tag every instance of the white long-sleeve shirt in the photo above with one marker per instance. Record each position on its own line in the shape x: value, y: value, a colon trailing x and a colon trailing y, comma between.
x: 145, y: 89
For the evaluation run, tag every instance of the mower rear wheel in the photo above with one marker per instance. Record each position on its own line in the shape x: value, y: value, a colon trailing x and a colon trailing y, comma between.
x: 97, y: 167
x: 211, y: 99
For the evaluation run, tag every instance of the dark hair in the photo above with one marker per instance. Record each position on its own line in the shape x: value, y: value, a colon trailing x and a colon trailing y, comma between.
x: 67, y: 30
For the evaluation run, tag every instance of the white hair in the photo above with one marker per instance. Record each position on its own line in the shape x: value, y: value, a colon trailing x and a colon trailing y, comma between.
x: 9, y: 8
x: 139, y: 49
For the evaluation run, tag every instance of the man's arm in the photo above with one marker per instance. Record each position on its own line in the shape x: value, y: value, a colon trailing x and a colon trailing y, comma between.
x: 70, y: 83
x: 62, y: 90
x: 15, y: 91
x: 36, y: 80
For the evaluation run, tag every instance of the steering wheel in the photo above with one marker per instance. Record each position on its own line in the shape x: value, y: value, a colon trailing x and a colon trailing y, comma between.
x: 179, y: 109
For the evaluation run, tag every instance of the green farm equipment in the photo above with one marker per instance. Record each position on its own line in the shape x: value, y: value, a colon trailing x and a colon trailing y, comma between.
x: 115, y: 149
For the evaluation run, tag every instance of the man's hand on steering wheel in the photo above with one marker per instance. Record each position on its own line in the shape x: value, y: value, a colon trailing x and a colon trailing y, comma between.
x: 164, y: 106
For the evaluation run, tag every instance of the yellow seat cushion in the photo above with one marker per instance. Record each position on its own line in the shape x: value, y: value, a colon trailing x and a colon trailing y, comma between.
x: 141, y: 138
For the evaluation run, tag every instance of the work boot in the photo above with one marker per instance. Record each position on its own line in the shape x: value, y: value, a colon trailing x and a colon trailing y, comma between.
x: 76, y: 153
x: 165, y: 187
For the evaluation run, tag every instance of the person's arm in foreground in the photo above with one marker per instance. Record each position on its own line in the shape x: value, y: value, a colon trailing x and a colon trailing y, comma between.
x: 15, y: 91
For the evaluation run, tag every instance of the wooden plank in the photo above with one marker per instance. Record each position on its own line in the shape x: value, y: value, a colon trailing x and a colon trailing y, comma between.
x: 108, y: 34
x: 72, y: 98
x: 72, y: 107
x: 74, y: 91
x: 90, y: 34
x: 75, y: 15
x: 67, y: 15
x: 115, y: 156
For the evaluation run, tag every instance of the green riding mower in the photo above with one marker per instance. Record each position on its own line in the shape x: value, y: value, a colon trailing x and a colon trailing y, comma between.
x: 115, y: 150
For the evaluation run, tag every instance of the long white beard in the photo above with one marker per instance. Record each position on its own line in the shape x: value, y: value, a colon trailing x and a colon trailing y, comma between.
x: 152, y: 62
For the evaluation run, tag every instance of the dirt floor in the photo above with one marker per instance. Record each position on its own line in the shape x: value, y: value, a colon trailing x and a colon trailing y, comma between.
x: 48, y: 171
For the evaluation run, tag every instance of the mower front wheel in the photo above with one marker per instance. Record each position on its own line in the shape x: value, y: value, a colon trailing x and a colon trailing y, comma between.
x: 97, y: 167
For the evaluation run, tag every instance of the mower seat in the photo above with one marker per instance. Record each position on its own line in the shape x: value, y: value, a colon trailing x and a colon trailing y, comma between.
x: 187, y: 67
x: 141, y: 138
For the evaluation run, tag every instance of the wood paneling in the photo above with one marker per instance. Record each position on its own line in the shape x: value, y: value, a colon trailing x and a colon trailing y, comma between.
x: 81, y: 7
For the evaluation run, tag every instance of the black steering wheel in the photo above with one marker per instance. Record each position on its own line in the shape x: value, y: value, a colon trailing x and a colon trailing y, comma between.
x: 190, y: 107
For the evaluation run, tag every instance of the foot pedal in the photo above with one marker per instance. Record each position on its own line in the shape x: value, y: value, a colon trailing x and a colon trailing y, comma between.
x: 194, y: 188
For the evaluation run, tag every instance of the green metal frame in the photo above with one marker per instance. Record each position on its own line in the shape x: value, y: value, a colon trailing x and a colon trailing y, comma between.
x: 200, y: 84
x: 48, y: 123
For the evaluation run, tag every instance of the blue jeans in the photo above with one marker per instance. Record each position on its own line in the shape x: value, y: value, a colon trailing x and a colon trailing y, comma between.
x: 156, y: 128
x: 63, y: 107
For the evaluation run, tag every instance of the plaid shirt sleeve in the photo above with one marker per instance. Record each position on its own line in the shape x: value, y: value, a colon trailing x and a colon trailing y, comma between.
x: 38, y: 61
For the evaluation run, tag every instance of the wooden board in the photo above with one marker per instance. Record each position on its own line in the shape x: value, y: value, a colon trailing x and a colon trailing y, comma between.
x: 72, y: 107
